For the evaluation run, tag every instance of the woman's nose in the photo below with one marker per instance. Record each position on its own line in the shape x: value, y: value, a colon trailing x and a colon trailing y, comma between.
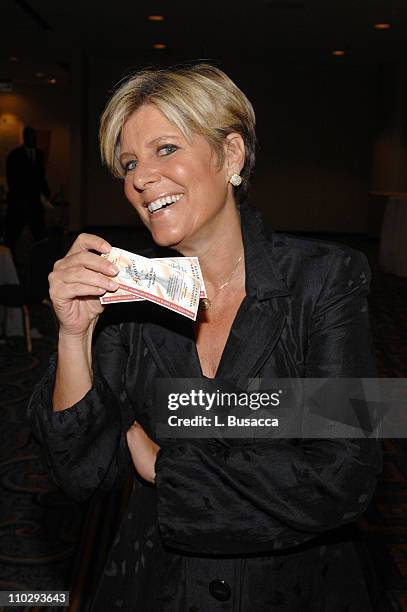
x: 144, y: 175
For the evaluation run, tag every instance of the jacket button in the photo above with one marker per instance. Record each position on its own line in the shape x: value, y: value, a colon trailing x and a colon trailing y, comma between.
x: 220, y: 590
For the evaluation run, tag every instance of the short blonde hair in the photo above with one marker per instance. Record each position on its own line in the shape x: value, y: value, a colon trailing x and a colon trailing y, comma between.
x: 197, y: 99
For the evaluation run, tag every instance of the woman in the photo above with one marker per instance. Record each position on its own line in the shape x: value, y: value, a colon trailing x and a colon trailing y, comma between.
x: 211, y: 524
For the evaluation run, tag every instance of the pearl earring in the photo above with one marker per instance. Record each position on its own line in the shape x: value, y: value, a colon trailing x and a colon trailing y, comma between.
x: 236, y: 180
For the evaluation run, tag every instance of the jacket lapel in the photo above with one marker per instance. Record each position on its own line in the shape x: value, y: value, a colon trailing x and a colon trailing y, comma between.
x: 261, y: 317
x: 255, y: 331
x: 254, y: 334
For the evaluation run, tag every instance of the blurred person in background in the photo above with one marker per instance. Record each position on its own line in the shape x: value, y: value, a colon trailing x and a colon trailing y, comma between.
x: 28, y: 190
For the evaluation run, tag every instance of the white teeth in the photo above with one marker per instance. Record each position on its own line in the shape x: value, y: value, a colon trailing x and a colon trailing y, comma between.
x: 160, y: 202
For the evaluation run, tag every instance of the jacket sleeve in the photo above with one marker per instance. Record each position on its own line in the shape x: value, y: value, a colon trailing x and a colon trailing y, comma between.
x: 85, y: 445
x: 278, y: 493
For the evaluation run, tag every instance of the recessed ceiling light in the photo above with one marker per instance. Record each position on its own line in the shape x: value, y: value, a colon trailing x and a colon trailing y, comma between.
x: 159, y: 46
x: 13, y: 58
x: 338, y: 52
x: 52, y: 81
x: 39, y: 74
x: 155, y: 17
x: 382, y: 26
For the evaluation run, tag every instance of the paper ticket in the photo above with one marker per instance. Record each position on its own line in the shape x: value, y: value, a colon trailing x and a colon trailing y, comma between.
x: 151, y: 279
x: 189, y: 265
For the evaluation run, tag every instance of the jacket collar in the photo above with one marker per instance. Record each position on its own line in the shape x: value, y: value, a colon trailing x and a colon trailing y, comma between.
x: 263, y: 278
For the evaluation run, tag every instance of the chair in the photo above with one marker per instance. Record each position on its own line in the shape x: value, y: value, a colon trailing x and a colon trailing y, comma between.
x: 14, y: 296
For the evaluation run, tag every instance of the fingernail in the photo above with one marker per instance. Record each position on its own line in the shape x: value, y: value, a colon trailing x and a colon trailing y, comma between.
x: 113, y: 285
x: 114, y: 270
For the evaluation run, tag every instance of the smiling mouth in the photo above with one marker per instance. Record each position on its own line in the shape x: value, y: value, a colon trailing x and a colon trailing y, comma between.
x: 164, y: 202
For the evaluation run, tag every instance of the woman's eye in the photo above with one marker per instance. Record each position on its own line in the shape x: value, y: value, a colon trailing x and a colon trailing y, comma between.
x: 167, y: 149
x: 130, y: 165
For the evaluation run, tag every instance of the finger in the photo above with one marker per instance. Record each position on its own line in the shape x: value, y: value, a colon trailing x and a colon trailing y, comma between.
x: 87, y: 260
x: 76, y: 290
x: 86, y: 277
x: 84, y: 242
x: 70, y: 291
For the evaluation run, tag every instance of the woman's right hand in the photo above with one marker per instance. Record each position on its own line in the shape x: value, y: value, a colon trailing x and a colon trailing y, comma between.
x: 76, y: 283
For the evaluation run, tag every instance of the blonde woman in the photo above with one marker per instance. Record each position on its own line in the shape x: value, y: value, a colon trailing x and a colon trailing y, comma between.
x: 240, y: 525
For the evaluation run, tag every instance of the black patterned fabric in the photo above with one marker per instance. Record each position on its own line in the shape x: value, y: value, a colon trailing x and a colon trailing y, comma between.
x: 231, y: 524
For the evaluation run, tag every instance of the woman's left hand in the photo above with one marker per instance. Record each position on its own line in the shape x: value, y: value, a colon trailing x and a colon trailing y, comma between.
x: 143, y: 451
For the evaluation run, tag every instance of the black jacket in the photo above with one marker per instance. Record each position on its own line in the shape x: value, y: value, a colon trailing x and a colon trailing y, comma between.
x: 239, y: 525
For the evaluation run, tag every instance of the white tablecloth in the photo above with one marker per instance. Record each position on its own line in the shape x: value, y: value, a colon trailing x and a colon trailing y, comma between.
x: 393, y: 242
x: 11, y: 319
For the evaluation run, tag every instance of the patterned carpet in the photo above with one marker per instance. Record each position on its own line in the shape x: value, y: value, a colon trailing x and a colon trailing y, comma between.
x: 42, y: 532
x: 385, y: 523
x: 39, y: 526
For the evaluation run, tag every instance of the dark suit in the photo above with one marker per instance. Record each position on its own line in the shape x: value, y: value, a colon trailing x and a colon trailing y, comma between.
x: 241, y: 525
x: 26, y: 183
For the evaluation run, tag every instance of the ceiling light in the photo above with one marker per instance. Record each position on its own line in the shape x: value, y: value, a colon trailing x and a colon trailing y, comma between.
x: 155, y: 17
x: 382, y: 26
x: 13, y: 58
x: 338, y: 53
x: 39, y: 74
x: 159, y: 46
x: 52, y: 81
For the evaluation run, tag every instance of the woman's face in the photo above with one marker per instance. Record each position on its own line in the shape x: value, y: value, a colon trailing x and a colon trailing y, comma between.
x: 176, y: 186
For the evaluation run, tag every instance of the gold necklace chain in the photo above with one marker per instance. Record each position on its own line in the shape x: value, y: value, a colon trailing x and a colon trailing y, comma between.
x: 206, y: 303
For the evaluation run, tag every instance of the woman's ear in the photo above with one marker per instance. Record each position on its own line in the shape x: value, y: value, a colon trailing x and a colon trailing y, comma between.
x: 234, y: 153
